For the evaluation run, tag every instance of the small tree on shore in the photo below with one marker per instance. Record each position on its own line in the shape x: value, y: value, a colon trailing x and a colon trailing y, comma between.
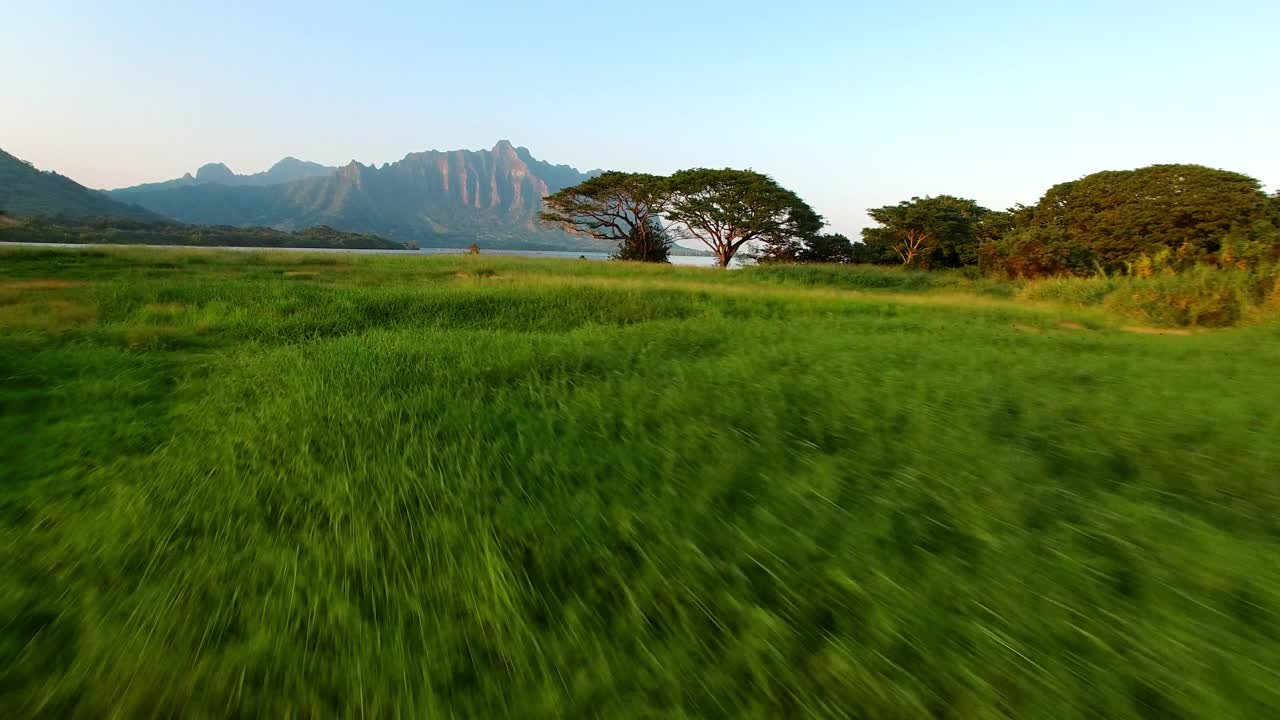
x: 622, y: 208
x: 651, y: 244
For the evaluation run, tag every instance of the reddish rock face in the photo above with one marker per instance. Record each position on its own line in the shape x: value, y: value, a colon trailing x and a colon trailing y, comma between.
x: 500, y: 178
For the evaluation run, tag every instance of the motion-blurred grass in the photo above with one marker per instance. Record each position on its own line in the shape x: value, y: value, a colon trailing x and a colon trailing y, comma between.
x: 276, y: 485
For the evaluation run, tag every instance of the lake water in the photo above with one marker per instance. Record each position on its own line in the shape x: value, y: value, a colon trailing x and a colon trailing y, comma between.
x: 689, y: 260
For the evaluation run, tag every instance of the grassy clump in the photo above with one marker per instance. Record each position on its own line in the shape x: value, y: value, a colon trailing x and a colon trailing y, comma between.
x: 1198, y: 296
x: 279, y: 484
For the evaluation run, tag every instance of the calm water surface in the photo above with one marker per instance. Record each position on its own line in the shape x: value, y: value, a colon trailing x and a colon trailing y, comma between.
x: 691, y: 260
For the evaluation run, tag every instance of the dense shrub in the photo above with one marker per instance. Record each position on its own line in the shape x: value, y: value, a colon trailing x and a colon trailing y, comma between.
x: 1034, y: 253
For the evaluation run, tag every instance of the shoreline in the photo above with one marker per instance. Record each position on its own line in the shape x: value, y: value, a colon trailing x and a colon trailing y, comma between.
x: 685, y: 260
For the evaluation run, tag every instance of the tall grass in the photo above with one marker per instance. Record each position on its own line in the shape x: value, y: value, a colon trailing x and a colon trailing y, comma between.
x: 860, y: 277
x: 1199, y: 296
x: 278, y: 485
x: 1203, y: 296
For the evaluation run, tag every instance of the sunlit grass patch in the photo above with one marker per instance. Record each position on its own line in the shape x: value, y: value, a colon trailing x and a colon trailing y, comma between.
x: 50, y: 315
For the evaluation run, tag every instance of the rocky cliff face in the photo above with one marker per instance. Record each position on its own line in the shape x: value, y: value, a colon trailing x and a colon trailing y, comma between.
x: 435, y: 198
x: 496, y: 178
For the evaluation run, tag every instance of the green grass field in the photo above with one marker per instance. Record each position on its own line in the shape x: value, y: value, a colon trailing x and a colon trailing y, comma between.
x: 290, y: 485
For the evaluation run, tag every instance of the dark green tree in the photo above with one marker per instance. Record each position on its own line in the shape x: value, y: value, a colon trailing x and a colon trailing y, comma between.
x: 1120, y: 215
x: 622, y: 208
x: 864, y: 254
x: 826, y: 248
x: 942, y: 231
x: 996, y: 224
x: 822, y: 248
x: 727, y: 209
x: 786, y: 251
x: 774, y: 250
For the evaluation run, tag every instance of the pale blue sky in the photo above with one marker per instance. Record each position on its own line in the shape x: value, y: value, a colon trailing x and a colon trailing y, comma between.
x: 852, y: 104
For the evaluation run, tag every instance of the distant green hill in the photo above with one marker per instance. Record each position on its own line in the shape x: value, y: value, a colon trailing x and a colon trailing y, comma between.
x: 438, y: 199
x: 26, y: 192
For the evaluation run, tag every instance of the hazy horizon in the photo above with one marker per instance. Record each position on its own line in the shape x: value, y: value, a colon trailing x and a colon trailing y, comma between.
x: 852, y: 107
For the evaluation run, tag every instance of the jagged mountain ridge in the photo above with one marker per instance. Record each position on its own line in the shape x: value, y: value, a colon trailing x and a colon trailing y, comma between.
x: 287, y: 170
x: 435, y: 198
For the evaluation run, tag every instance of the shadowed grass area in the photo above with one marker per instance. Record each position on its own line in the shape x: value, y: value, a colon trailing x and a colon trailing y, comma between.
x: 300, y: 485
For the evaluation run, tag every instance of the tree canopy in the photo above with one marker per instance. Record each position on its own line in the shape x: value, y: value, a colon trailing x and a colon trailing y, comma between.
x: 726, y: 209
x: 1172, y: 215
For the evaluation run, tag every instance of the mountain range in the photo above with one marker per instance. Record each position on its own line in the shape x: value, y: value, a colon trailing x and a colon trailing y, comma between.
x: 26, y: 191
x: 287, y: 170
x: 441, y: 199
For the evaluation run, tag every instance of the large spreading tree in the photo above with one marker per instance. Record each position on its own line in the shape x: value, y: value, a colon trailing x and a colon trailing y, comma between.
x: 1120, y: 215
x: 622, y: 208
x: 727, y: 209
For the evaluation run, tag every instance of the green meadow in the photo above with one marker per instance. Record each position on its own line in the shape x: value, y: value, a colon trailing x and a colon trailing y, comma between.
x: 239, y: 484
